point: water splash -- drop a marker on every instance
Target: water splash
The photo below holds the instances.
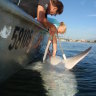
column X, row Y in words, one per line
column 58, row 80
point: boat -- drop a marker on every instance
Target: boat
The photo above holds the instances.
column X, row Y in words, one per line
column 21, row 37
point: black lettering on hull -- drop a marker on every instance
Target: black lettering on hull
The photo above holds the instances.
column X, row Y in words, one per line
column 21, row 38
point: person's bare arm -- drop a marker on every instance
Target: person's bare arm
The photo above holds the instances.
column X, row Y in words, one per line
column 54, row 45
column 41, row 16
column 42, row 19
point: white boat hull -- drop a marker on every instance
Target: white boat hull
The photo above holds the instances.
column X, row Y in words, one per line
column 21, row 37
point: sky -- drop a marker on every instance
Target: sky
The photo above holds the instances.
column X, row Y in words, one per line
column 80, row 19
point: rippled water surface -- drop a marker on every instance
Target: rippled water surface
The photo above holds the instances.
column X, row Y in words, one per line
column 80, row 81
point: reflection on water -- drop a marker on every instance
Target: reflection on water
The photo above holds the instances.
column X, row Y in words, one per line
column 58, row 80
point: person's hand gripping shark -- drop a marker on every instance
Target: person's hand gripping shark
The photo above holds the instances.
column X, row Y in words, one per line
column 61, row 29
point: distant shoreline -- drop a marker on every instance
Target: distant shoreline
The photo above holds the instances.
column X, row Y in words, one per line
column 82, row 41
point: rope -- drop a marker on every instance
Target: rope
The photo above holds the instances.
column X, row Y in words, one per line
column 46, row 50
column 59, row 45
column 19, row 2
column 48, row 44
column 61, row 48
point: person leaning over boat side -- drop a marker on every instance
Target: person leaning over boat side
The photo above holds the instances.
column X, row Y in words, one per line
column 61, row 30
column 54, row 7
column 45, row 7
column 40, row 9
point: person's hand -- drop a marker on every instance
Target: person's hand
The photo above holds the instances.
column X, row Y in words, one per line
column 52, row 30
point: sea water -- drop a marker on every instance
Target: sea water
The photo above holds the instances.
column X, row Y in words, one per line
column 80, row 81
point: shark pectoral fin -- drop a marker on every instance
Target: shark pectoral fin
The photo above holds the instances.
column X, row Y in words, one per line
column 71, row 62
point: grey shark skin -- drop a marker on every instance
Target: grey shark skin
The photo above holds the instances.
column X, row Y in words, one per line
column 69, row 63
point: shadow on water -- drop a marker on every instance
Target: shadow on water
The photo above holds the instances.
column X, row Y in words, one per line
column 25, row 82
